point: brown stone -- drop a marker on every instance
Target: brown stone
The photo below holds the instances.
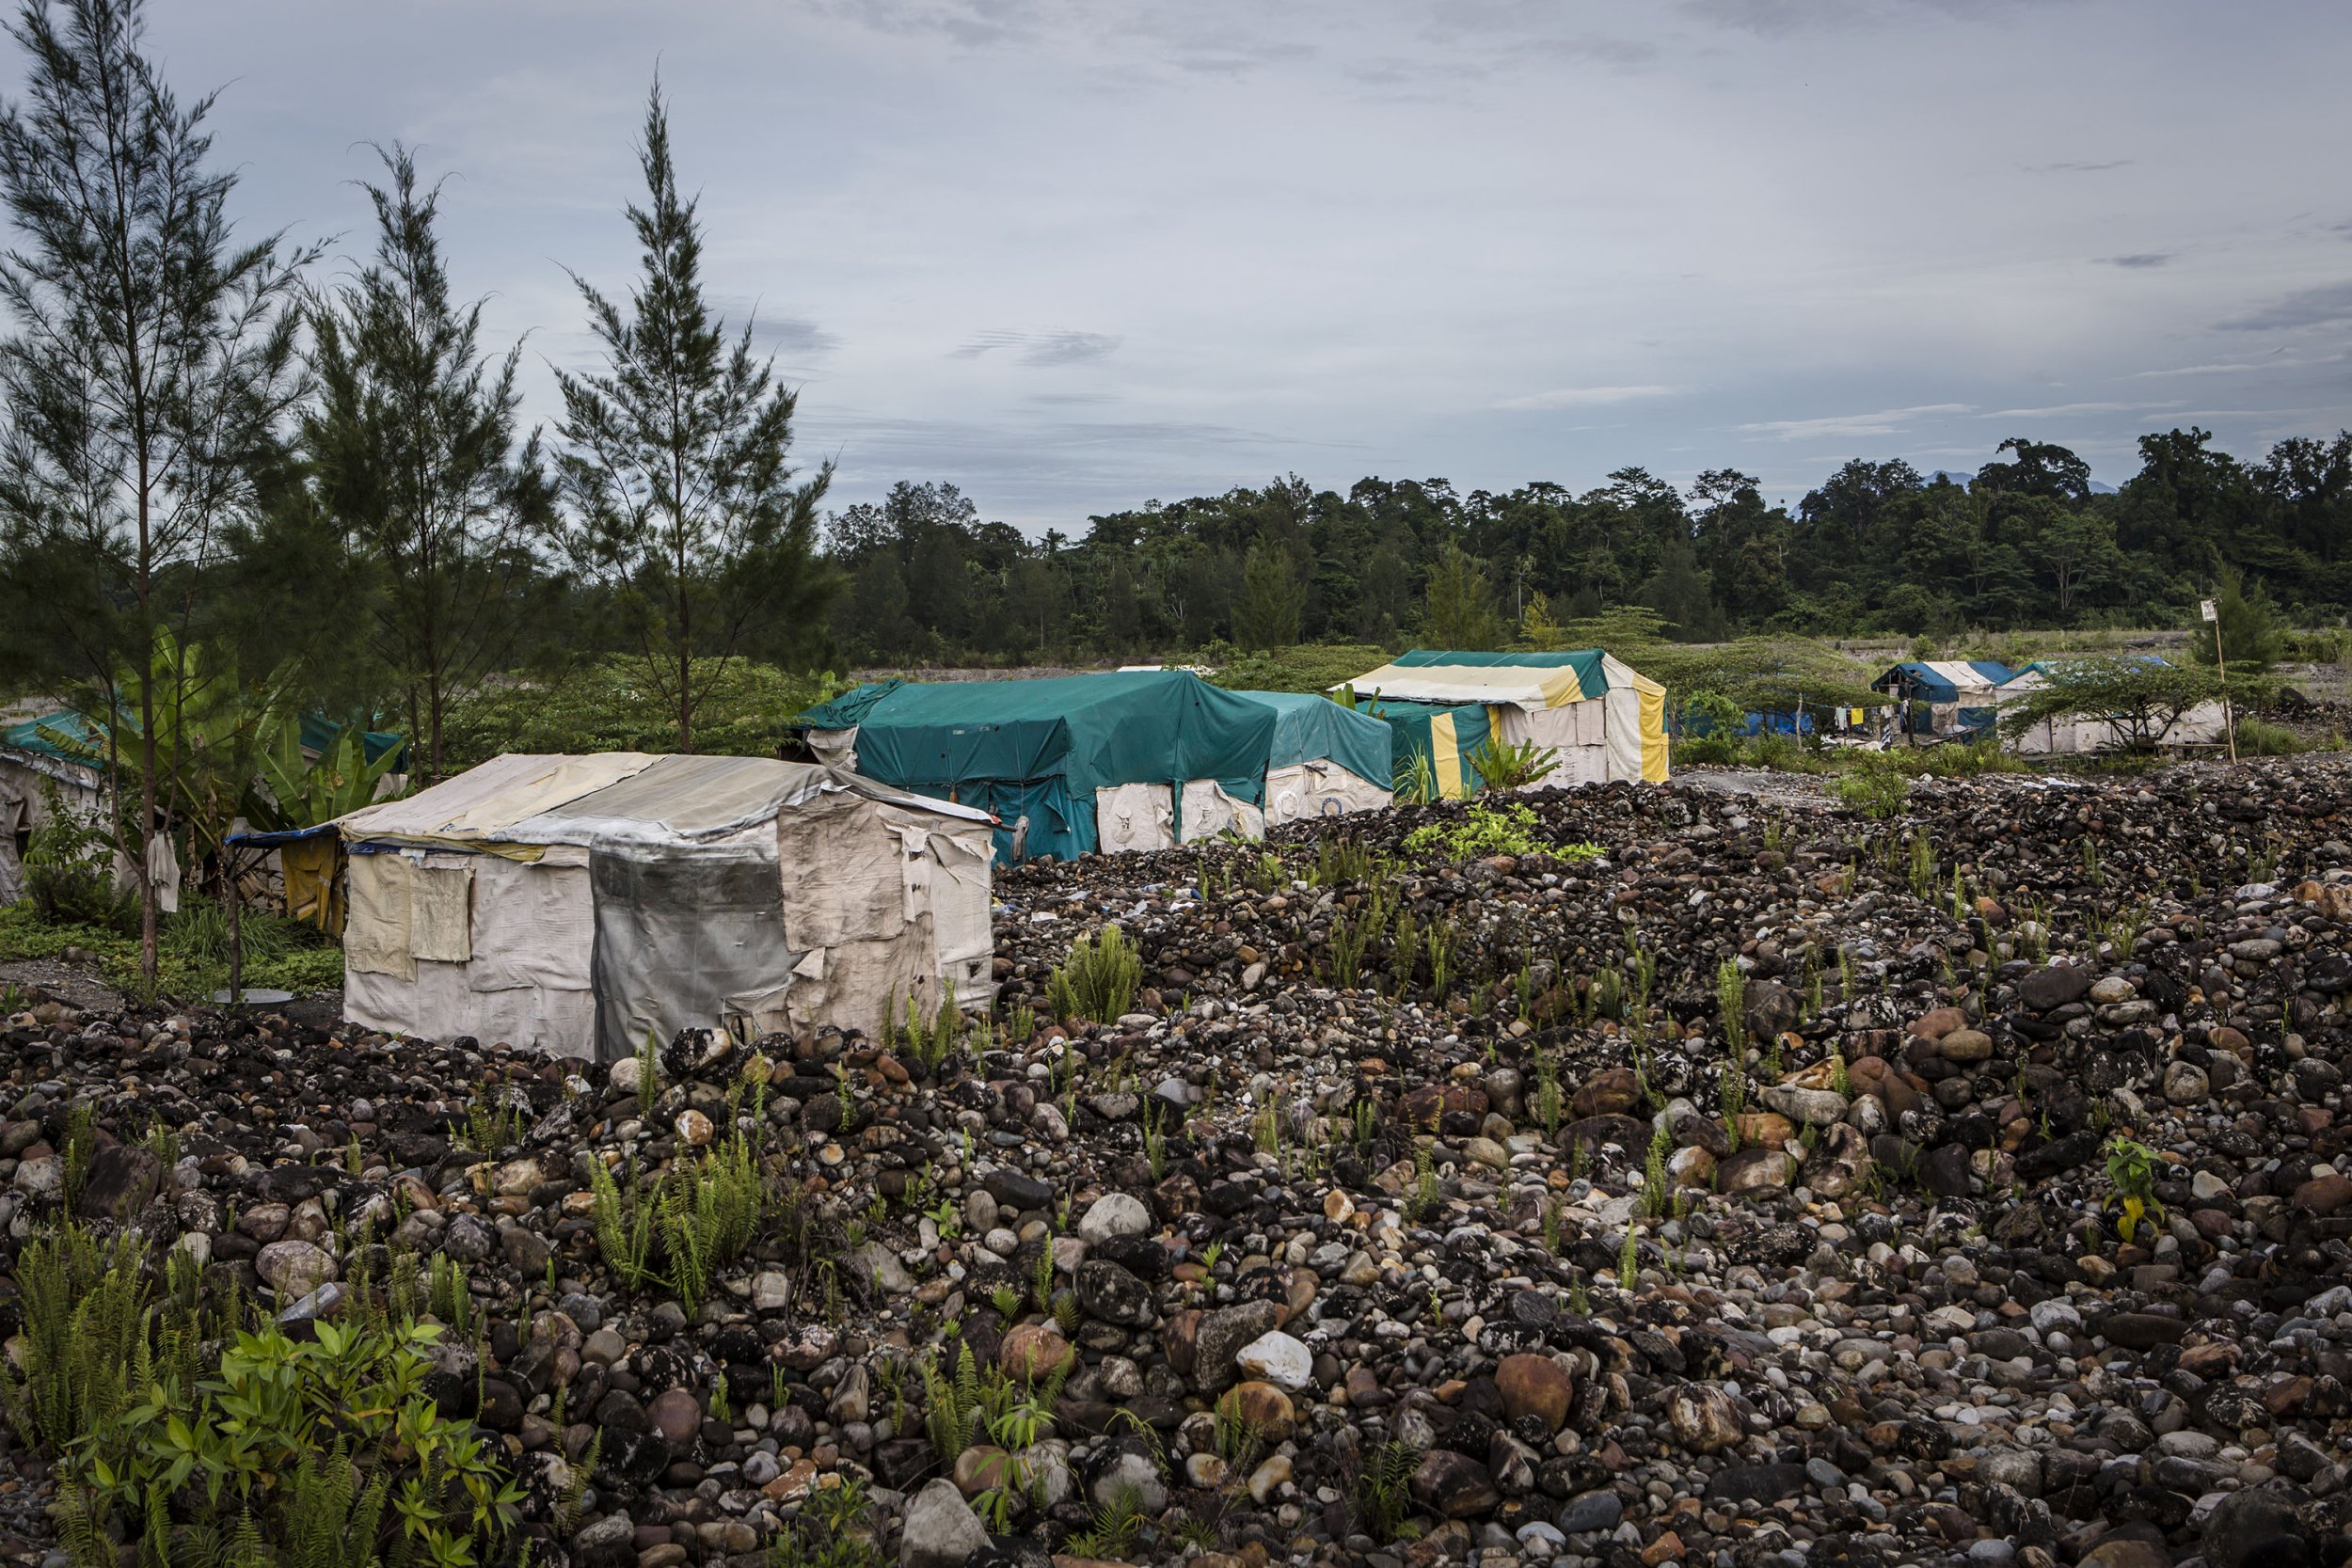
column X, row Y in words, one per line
column 1261, row 1407
column 1966, row 1045
column 2324, row 1194
column 1033, row 1352
column 1934, row 1025
column 1611, row 1091
column 1752, row 1170
column 1535, row 1386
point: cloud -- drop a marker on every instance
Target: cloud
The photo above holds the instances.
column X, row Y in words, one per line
column 796, row 336
column 2237, row 368
column 1582, row 397
column 2320, row 306
column 2139, row 259
column 2057, row 410
column 1770, row 18
column 1886, row 421
column 2077, row 167
column 1042, row 349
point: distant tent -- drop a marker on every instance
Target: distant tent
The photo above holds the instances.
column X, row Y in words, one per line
column 34, row 769
column 53, row 750
column 1957, row 694
column 1128, row 759
column 579, row 903
column 2206, row 724
column 1606, row 719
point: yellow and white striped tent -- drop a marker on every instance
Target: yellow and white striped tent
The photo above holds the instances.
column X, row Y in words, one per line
column 1606, row 719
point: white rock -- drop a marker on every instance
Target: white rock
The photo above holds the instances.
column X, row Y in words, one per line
column 1278, row 1359
column 1114, row 1215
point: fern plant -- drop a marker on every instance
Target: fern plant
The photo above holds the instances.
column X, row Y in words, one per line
column 1384, row 1489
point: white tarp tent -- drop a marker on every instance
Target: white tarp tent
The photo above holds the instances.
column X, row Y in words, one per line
column 1605, row 718
column 2206, row 724
column 577, row 903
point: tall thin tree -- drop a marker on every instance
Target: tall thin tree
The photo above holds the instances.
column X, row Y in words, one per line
column 412, row 447
column 682, row 503
column 151, row 361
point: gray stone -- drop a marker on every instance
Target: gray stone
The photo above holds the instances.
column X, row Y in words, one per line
column 1594, row 1511
column 941, row 1531
column 2242, row 1521
column 1114, row 1215
column 1222, row 1335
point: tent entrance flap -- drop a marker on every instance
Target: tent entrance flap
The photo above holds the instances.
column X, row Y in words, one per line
column 677, row 936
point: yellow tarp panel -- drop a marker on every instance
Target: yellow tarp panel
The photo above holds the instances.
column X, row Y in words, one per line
column 1445, row 760
column 1653, row 733
column 376, row 936
column 313, row 892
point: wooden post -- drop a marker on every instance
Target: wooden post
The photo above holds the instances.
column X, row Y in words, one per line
column 2229, row 716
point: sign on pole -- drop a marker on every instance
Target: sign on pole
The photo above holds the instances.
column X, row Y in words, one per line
column 2205, row 608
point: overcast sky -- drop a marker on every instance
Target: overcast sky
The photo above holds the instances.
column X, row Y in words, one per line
column 1075, row 254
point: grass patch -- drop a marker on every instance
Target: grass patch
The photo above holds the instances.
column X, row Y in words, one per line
column 192, row 950
column 607, row 705
column 1303, row 667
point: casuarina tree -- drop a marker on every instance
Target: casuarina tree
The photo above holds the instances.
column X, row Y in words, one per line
column 682, row 505
column 147, row 370
column 412, row 448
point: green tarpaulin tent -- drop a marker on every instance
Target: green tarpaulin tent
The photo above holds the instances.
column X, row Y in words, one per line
column 1125, row 759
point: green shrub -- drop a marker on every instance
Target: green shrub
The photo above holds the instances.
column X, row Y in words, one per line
column 2256, row 738
column 1875, row 787
column 1706, row 750
column 1488, row 830
column 1384, row 1496
column 85, row 1314
column 699, row 1217
column 189, row 1439
column 68, row 869
column 1301, row 667
column 1505, row 765
column 1099, row 982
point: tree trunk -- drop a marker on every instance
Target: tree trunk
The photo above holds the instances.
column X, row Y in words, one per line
column 146, row 666
column 433, row 691
column 237, row 925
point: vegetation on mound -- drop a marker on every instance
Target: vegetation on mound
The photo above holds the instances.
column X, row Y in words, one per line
column 606, row 705
column 279, row 954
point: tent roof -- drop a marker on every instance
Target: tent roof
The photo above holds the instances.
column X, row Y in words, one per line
column 1122, row 726
column 847, row 711
column 1943, row 679
column 2033, row 676
column 318, row 732
column 1529, row 679
column 612, row 796
column 1308, row 727
column 45, row 755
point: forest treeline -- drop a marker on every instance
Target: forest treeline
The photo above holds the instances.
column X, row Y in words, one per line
column 1875, row 547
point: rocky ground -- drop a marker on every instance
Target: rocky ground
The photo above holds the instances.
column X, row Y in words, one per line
column 1323, row 1258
